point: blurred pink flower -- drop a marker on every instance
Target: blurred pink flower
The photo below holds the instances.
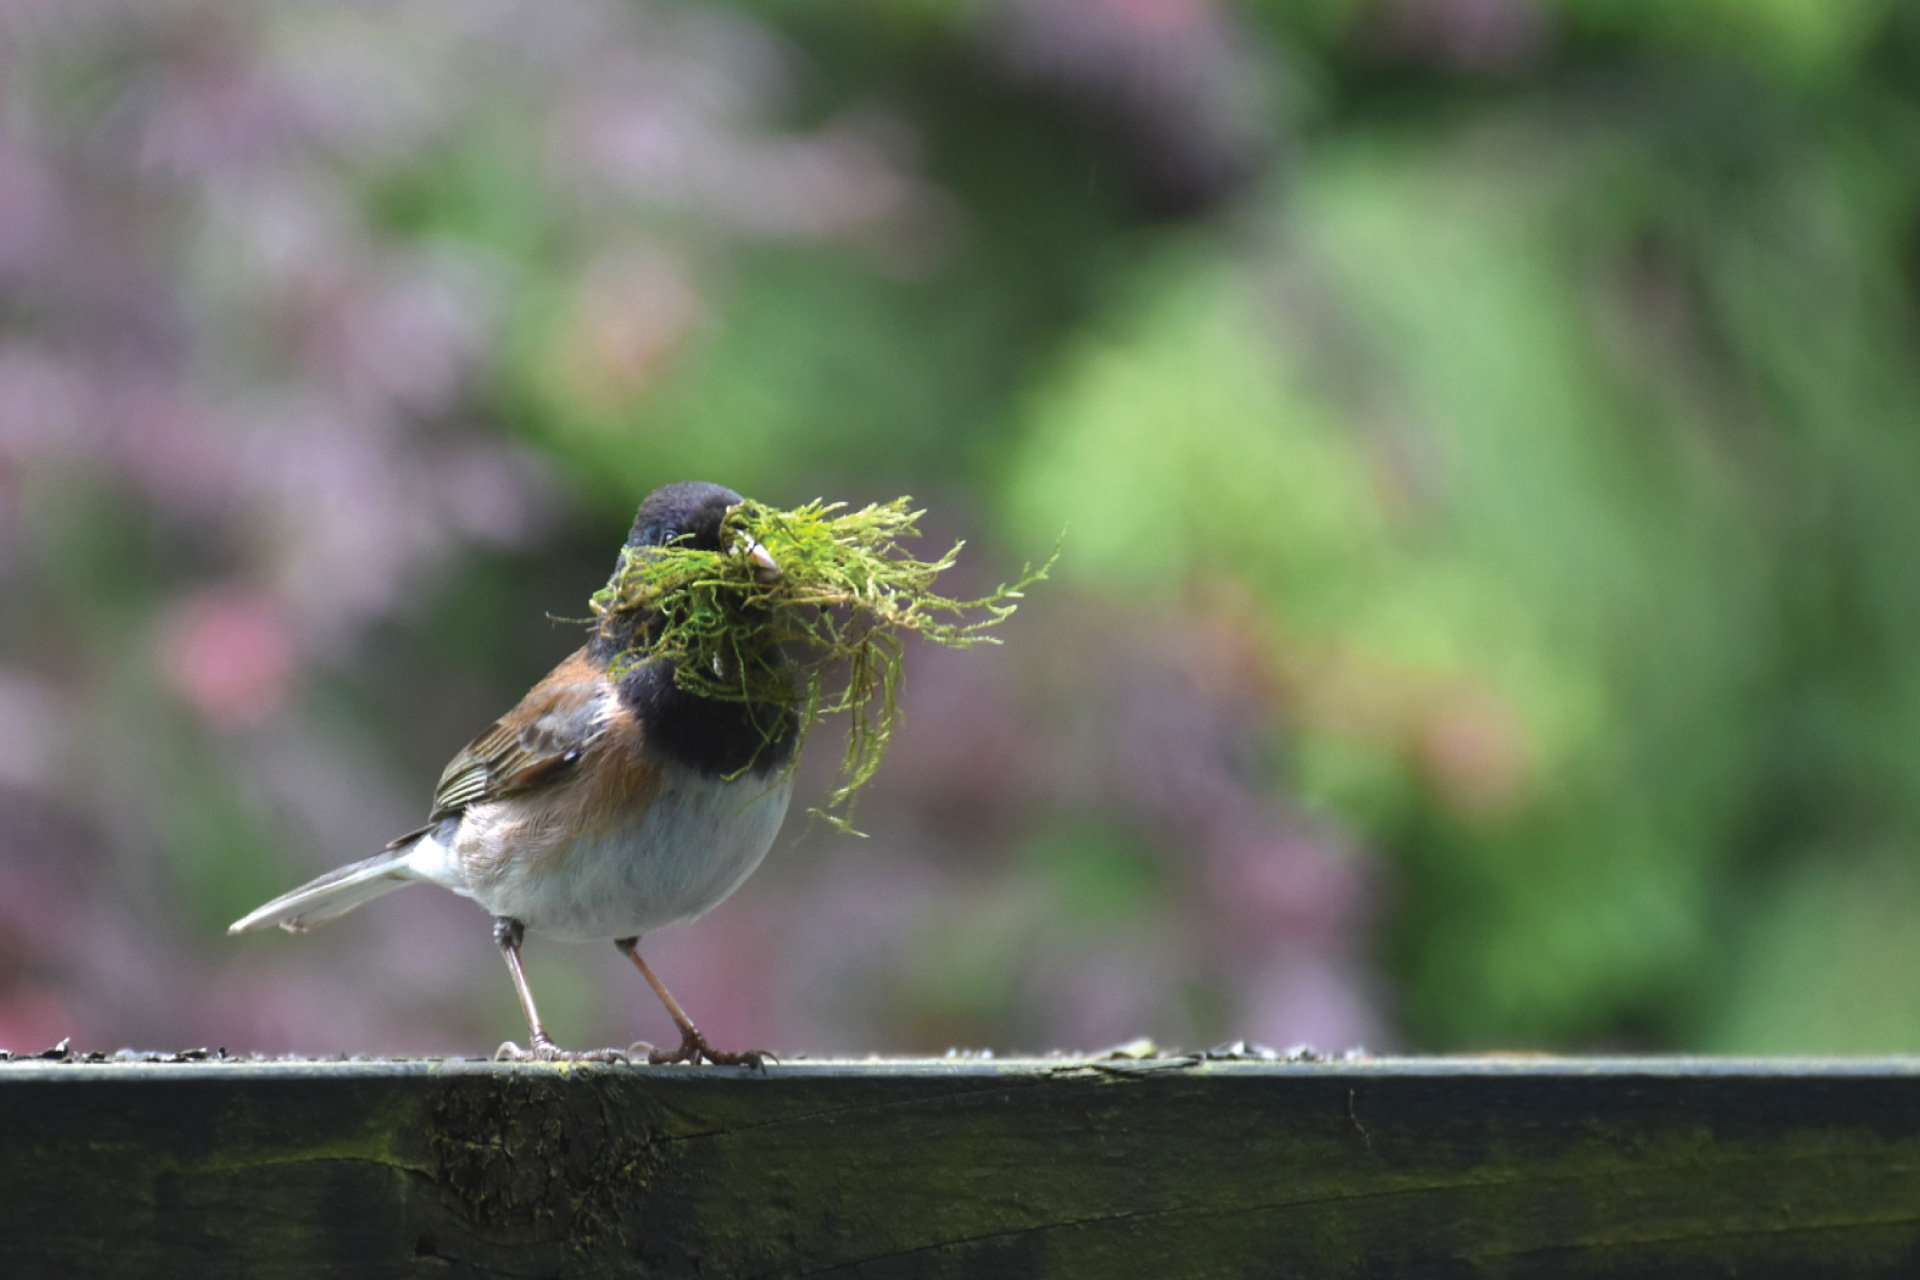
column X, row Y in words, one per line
column 32, row 1019
column 229, row 652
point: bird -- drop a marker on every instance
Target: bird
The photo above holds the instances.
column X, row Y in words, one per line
column 608, row 803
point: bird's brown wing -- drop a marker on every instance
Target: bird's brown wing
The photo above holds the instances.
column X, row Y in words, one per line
column 534, row 744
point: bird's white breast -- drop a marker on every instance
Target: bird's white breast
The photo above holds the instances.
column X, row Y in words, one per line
column 690, row 848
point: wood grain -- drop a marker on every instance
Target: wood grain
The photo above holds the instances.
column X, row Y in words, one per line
column 1156, row 1168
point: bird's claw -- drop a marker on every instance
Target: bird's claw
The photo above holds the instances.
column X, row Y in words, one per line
column 694, row 1047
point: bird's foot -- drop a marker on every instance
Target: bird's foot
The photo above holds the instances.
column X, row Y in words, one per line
column 694, row 1047
column 545, row 1050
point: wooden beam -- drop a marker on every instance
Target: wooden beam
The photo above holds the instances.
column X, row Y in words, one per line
column 1157, row 1168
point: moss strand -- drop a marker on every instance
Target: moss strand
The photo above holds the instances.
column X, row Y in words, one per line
column 847, row 592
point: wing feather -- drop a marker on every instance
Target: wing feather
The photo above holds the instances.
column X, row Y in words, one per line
column 533, row 745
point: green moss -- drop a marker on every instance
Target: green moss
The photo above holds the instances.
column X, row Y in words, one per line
column 847, row 593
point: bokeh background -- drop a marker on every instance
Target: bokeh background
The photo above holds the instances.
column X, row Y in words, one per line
column 1487, row 434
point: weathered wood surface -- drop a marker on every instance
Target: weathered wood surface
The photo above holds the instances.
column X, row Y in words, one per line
column 1158, row 1168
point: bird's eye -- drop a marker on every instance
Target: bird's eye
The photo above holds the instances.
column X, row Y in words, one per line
column 664, row 535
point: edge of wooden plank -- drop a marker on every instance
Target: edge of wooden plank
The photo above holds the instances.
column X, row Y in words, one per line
column 1117, row 1167
column 22, row 1070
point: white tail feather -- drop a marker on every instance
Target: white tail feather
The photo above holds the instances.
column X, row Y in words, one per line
column 341, row 890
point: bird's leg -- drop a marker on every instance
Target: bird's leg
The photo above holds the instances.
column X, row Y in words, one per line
column 508, row 932
column 693, row 1045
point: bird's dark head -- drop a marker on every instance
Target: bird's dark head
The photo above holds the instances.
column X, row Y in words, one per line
column 689, row 515
column 716, row 737
column 683, row 515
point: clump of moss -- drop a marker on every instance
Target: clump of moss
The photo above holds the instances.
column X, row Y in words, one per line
column 847, row 592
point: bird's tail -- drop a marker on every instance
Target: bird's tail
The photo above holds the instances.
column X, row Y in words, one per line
column 415, row 857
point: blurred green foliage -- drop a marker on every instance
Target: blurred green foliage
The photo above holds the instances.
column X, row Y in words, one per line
column 1539, row 376
column 1563, row 419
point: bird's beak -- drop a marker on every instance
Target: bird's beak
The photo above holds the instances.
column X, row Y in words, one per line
column 765, row 568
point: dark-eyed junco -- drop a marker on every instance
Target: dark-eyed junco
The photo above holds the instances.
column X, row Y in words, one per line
column 599, row 807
